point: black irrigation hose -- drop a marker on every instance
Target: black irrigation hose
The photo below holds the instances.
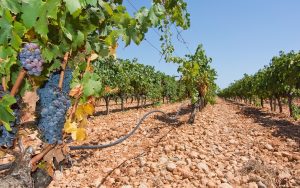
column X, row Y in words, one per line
column 5, row 166
column 126, row 136
column 120, row 139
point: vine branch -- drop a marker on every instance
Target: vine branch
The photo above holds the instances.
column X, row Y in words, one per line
column 62, row 73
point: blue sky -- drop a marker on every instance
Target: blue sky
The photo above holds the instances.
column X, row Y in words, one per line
column 240, row 36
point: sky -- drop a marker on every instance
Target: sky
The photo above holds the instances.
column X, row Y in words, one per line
column 240, row 36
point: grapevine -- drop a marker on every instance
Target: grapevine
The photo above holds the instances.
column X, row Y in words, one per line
column 37, row 35
column 274, row 83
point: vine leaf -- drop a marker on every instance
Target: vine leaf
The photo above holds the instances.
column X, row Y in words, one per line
column 5, row 27
column 6, row 113
column 89, row 109
column 79, row 134
column 69, row 126
column 13, row 6
column 73, row 5
column 76, row 91
column 92, row 85
column 30, row 12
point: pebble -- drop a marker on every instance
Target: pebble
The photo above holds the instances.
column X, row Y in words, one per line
column 252, row 185
column 211, row 184
column 163, row 160
column 126, row 186
column 269, row 147
column 261, row 185
column 171, row 166
column 229, row 176
column 225, row 185
column 185, row 172
column 203, row 166
column 132, row 171
column 283, row 175
column 143, row 185
column 58, row 175
column 193, row 154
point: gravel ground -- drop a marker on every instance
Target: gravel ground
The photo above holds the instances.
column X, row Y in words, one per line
column 230, row 145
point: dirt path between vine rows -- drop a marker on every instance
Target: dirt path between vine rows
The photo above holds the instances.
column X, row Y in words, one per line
column 230, row 145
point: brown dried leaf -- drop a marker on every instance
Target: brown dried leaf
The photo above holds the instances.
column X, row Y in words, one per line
column 76, row 91
column 94, row 56
column 28, row 113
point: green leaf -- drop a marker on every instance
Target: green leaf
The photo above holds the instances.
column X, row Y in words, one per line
column 79, row 40
column 26, row 86
column 55, row 65
column 41, row 27
column 13, row 6
column 92, row 2
column 31, row 10
column 67, row 33
column 7, row 126
column 92, row 85
column 142, row 15
column 6, row 113
column 73, row 5
column 106, row 7
column 19, row 28
column 5, row 27
column 153, row 18
column 52, row 7
column 16, row 41
column 112, row 38
column 50, row 53
column 8, row 100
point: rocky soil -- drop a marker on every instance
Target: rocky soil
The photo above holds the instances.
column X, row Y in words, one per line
column 230, row 145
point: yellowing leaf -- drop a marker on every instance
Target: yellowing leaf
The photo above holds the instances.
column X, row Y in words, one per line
column 70, row 126
column 113, row 50
column 89, row 109
column 79, row 114
column 79, row 134
column 2, row 154
column 83, row 123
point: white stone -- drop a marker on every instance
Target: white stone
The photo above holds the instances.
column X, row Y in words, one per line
column 171, row 166
column 203, row 166
column 225, row 185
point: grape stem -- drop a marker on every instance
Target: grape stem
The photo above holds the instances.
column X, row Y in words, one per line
column 74, row 107
column 62, row 73
column 39, row 156
column 18, row 82
column 88, row 64
column 4, row 83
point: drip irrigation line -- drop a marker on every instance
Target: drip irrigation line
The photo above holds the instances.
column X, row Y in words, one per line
column 6, row 166
column 120, row 140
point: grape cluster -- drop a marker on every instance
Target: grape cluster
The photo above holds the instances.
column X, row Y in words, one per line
column 52, row 116
column 31, row 59
column 54, row 79
column 53, row 106
column 7, row 137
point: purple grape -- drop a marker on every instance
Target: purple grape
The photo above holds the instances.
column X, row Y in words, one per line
column 31, row 59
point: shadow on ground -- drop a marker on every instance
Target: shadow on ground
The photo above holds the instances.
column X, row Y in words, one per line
column 283, row 127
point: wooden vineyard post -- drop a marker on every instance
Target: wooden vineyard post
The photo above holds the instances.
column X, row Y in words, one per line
column 18, row 82
column 62, row 73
